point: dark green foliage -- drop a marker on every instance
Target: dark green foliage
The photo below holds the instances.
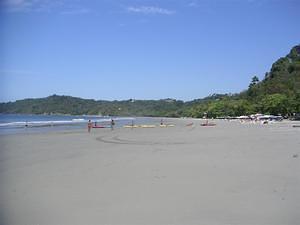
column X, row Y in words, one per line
column 277, row 93
column 275, row 104
column 254, row 81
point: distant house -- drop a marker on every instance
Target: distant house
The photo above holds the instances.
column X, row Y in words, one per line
column 169, row 100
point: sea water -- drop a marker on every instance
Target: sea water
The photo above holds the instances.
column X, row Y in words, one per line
column 25, row 123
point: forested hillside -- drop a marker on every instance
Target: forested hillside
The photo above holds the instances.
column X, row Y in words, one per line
column 277, row 93
column 56, row 104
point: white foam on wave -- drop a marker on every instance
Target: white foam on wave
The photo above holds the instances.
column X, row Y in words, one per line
column 40, row 123
column 57, row 122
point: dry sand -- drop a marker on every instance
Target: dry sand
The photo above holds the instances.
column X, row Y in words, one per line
column 233, row 174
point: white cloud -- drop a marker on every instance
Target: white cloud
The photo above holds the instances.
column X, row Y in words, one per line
column 150, row 10
column 193, row 4
column 65, row 7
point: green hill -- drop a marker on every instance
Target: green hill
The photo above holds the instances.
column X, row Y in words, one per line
column 56, row 104
column 277, row 93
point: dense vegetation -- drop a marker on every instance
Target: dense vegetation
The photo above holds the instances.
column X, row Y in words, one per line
column 56, row 104
column 277, row 93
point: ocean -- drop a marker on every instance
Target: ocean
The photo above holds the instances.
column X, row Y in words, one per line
column 24, row 123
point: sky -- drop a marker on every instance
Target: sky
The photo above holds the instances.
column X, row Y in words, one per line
column 140, row 49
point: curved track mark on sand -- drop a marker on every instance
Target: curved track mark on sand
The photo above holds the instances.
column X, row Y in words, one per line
column 118, row 140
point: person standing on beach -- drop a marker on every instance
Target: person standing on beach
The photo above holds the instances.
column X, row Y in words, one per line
column 89, row 126
column 112, row 123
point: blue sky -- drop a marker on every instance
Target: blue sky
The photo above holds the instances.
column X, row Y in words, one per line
column 122, row 49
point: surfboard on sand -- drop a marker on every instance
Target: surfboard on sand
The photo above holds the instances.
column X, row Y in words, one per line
column 100, row 126
column 167, row 125
column 140, row 126
column 208, row 124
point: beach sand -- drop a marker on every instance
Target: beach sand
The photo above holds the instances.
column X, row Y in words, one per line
column 233, row 174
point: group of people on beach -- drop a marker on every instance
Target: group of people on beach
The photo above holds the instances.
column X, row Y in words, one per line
column 90, row 125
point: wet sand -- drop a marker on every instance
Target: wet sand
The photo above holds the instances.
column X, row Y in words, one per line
column 230, row 174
